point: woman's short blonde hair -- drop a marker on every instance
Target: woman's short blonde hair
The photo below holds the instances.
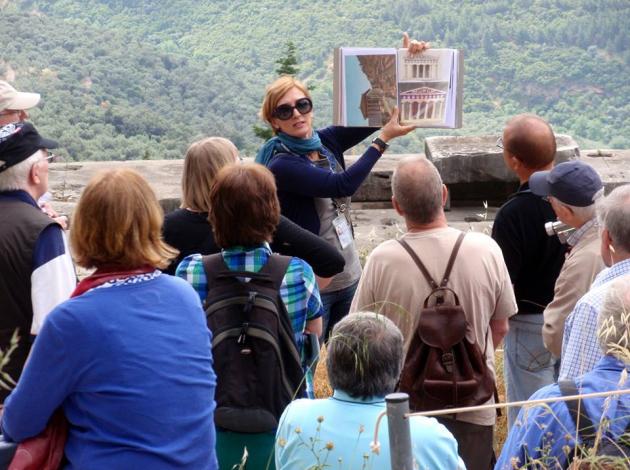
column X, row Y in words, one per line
column 118, row 223
column 203, row 161
column 274, row 93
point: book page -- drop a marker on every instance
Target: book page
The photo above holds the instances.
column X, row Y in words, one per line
column 426, row 88
column 369, row 86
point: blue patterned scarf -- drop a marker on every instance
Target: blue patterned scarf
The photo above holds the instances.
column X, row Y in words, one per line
column 295, row 145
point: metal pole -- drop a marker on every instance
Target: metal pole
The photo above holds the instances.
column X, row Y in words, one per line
column 399, row 431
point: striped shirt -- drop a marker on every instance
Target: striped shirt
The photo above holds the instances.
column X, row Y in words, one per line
column 580, row 346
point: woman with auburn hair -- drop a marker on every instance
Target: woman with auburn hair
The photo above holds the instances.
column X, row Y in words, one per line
column 188, row 229
column 244, row 211
column 314, row 185
column 128, row 357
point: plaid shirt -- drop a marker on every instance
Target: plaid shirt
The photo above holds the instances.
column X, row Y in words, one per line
column 580, row 346
column 298, row 291
column 575, row 237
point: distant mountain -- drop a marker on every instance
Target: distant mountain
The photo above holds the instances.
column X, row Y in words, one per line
column 132, row 79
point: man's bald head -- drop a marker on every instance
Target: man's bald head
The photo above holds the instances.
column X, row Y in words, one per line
column 417, row 188
column 531, row 140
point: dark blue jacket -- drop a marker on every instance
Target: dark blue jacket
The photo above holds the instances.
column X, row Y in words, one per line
column 299, row 180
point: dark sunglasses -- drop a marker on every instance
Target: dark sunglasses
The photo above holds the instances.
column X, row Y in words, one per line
column 285, row 111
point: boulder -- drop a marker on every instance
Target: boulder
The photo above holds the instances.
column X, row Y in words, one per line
column 473, row 167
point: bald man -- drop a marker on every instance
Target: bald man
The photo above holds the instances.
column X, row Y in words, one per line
column 533, row 259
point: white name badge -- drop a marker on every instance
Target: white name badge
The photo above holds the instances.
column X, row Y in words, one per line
column 344, row 233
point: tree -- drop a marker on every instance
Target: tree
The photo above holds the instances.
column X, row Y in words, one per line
column 287, row 64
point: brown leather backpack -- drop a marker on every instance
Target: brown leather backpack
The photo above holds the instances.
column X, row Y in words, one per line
column 443, row 369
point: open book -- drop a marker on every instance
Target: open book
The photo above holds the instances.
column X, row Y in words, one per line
column 369, row 82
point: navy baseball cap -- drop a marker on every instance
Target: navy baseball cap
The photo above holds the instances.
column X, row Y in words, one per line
column 574, row 183
column 18, row 141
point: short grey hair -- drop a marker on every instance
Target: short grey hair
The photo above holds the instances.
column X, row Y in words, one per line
column 583, row 213
column 365, row 355
column 613, row 322
column 16, row 176
column 613, row 212
column 417, row 187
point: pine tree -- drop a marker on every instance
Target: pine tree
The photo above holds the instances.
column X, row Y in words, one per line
column 287, row 64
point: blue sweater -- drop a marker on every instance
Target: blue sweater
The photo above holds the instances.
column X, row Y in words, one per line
column 299, row 180
column 132, row 368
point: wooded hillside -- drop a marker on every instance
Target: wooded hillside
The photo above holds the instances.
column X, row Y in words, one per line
column 130, row 79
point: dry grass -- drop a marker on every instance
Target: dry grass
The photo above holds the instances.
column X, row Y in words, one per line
column 323, row 390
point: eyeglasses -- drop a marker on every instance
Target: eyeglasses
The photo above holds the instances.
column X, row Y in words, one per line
column 285, row 111
column 51, row 157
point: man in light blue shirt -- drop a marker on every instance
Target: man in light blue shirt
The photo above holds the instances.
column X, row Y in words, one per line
column 364, row 363
column 580, row 349
column 545, row 436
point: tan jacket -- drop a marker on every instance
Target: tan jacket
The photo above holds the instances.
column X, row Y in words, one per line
column 582, row 264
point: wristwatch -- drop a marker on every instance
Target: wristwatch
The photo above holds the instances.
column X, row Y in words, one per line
column 381, row 144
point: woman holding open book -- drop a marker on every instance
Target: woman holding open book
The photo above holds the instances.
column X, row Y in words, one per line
column 314, row 185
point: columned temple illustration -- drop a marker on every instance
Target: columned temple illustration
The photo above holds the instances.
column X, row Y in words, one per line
column 420, row 68
column 422, row 103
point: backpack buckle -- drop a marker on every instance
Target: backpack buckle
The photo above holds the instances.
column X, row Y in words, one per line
column 448, row 359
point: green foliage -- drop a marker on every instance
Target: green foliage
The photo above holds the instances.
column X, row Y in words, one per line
column 120, row 78
column 288, row 63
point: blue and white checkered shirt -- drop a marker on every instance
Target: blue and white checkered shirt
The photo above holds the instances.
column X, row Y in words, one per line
column 580, row 346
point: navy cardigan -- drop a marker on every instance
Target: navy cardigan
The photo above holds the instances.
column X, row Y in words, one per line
column 299, row 180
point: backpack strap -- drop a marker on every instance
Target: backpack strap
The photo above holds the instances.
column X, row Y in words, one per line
column 451, row 260
column 569, row 388
column 423, row 269
column 275, row 268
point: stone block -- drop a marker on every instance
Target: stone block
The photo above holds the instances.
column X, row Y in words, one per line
column 473, row 167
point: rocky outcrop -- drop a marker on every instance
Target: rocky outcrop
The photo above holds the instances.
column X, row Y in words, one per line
column 473, row 167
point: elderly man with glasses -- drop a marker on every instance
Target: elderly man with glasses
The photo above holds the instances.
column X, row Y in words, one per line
column 36, row 270
column 533, row 259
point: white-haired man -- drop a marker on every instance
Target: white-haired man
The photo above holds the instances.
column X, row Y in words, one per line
column 36, row 270
column 544, row 436
column 572, row 189
column 392, row 284
column 14, row 105
column 580, row 349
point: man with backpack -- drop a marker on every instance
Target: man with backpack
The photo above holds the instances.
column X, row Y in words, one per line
column 444, row 335
column 594, row 430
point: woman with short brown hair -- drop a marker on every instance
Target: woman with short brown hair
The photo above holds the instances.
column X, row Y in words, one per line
column 244, row 211
column 128, row 358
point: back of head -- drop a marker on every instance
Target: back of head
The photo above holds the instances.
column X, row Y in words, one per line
column 531, row 140
column 613, row 212
column 613, row 323
column 275, row 91
column 203, row 161
column 417, row 187
column 365, row 354
column 118, row 223
column 244, row 207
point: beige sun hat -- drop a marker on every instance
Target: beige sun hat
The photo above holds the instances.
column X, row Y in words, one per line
column 10, row 98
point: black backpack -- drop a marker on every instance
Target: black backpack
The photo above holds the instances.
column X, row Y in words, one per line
column 442, row 368
column 256, row 359
column 611, row 451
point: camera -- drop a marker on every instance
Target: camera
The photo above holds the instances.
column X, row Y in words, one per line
column 560, row 229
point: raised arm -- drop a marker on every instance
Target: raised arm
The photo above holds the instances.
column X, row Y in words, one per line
column 292, row 240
